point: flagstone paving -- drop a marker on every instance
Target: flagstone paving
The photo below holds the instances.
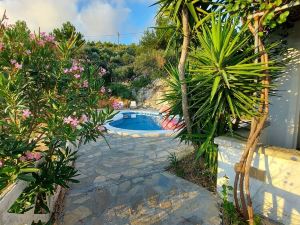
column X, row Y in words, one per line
column 126, row 183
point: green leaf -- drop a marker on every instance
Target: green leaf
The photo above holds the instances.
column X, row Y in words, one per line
column 215, row 87
column 29, row 170
column 278, row 2
column 192, row 11
column 26, row 177
column 283, row 16
column 230, row 104
column 225, row 77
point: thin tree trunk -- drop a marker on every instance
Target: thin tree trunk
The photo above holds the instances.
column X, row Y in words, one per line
column 243, row 168
column 181, row 69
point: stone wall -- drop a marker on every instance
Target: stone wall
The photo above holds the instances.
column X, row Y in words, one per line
column 274, row 182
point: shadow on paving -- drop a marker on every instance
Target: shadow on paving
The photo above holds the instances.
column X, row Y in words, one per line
column 126, row 184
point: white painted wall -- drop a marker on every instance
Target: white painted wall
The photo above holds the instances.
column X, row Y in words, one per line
column 285, row 107
column 277, row 198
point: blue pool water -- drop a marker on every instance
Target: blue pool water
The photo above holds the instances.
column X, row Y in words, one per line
column 141, row 122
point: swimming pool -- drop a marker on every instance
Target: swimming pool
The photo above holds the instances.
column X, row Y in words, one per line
column 138, row 123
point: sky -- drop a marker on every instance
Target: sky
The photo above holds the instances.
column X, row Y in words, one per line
column 95, row 19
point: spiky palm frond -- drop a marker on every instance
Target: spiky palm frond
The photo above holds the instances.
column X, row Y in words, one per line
column 223, row 82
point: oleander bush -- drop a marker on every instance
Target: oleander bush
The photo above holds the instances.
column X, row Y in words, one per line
column 48, row 97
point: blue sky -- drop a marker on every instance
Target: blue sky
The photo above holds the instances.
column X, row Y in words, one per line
column 140, row 18
column 96, row 19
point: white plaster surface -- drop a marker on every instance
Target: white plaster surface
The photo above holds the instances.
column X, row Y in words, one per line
column 279, row 197
column 285, row 106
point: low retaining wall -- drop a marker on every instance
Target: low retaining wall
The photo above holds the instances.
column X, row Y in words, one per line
column 9, row 196
column 28, row 217
column 274, row 182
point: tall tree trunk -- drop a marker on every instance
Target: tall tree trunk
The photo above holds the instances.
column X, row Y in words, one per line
column 181, row 69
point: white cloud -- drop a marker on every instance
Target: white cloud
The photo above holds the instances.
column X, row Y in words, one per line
column 95, row 19
column 102, row 18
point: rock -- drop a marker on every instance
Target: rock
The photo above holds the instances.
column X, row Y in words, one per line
column 99, row 179
column 124, row 186
column 137, row 180
column 79, row 165
column 130, row 172
column 103, row 199
column 114, row 176
column 77, row 214
column 81, row 200
column 165, row 204
column 151, row 95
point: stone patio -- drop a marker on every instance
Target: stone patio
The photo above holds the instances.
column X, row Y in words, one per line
column 127, row 184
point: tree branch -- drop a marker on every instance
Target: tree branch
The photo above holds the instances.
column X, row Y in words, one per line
column 284, row 7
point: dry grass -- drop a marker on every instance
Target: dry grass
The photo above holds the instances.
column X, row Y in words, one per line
column 194, row 171
column 59, row 207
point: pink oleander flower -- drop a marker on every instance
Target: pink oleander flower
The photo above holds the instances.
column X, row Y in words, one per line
column 29, row 155
column 13, row 61
column 1, row 163
column 102, row 90
column 81, row 69
column 101, row 128
column 43, row 34
column 84, row 118
column 22, row 158
column 117, row 105
column 27, row 52
column 37, row 156
column 66, row 70
column 68, row 120
column 74, row 68
column 77, row 76
column 50, row 38
column 41, row 43
column 32, row 36
column 18, row 66
column 74, row 122
column 26, row 113
column 85, row 84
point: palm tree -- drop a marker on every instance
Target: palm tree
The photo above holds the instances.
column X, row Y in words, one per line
column 184, row 14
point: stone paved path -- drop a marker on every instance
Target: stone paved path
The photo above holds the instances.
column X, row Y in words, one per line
column 127, row 184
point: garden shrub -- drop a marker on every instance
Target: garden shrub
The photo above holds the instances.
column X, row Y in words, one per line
column 120, row 90
column 140, row 82
column 48, row 97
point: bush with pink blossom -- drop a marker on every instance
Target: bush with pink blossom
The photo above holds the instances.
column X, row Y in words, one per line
column 48, row 97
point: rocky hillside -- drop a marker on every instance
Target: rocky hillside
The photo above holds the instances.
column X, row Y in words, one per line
column 151, row 95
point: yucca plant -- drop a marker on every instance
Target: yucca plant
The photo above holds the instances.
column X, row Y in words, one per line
column 186, row 15
column 224, row 80
column 222, row 83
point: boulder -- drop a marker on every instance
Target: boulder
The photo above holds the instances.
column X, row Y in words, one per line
column 151, row 95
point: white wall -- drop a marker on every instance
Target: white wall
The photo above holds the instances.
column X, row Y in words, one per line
column 278, row 197
column 284, row 108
